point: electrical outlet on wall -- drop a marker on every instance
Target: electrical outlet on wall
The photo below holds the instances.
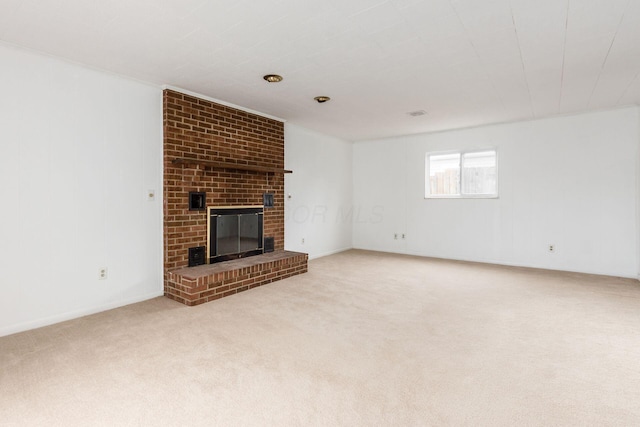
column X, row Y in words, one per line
column 552, row 247
column 102, row 273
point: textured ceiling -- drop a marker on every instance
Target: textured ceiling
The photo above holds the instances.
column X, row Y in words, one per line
column 465, row 62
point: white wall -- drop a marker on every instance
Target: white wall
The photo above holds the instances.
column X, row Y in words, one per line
column 79, row 150
column 638, row 195
column 319, row 209
column 568, row 181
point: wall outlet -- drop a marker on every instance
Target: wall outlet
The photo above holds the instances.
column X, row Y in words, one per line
column 102, row 273
column 403, row 236
column 395, row 236
column 552, row 248
column 302, row 241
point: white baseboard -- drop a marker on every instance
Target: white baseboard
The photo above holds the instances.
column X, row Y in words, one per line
column 508, row 264
column 46, row 321
column 528, row 265
column 337, row 251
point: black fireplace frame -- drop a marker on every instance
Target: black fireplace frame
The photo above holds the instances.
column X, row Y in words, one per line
column 217, row 213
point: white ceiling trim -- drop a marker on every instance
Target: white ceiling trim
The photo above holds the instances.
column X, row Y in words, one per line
column 218, row 101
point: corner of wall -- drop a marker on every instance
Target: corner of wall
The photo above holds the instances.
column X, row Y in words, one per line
column 319, row 192
column 638, row 189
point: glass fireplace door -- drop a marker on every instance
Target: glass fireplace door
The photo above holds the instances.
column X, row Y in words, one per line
column 227, row 232
column 249, row 232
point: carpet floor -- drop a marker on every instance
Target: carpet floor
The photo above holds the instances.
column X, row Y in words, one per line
column 363, row 339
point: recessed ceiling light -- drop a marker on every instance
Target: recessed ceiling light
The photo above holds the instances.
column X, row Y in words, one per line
column 322, row 99
column 417, row 113
column 273, row 78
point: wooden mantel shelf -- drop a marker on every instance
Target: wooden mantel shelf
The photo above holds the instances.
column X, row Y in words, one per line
column 227, row 165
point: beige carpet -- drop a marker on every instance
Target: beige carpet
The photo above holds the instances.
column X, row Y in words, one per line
column 363, row 339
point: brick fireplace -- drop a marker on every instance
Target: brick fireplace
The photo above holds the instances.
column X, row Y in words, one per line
column 232, row 156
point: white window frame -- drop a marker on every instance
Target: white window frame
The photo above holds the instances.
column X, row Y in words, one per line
column 427, row 187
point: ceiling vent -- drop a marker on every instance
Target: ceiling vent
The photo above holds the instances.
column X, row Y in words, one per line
column 417, row 113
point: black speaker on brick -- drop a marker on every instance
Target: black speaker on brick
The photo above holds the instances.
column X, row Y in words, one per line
column 267, row 200
column 197, row 201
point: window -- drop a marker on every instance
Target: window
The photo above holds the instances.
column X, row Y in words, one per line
column 462, row 174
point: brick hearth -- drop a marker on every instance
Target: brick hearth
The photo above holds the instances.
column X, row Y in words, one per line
column 204, row 283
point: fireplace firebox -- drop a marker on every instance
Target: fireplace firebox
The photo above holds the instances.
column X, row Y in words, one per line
column 234, row 232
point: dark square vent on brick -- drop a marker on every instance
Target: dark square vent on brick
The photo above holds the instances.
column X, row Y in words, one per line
column 196, row 256
column 268, row 244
